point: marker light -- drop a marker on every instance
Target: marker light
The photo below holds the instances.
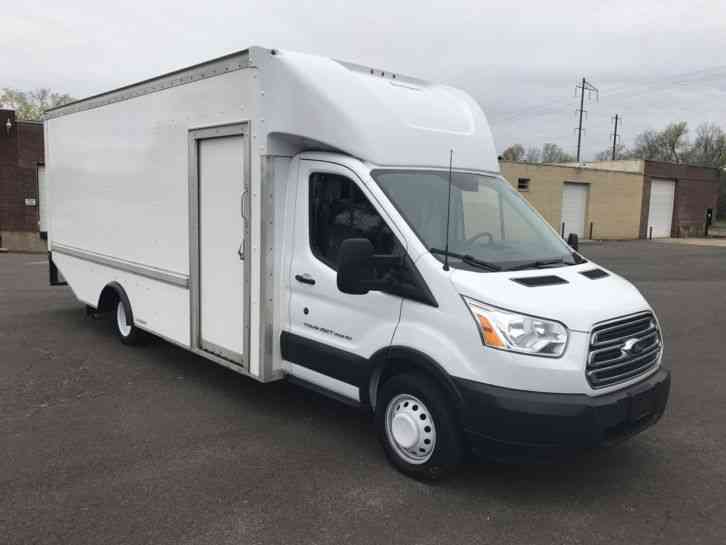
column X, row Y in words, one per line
column 516, row 332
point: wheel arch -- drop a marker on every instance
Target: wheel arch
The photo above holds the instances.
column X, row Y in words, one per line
column 111, row 292
column 394, row 360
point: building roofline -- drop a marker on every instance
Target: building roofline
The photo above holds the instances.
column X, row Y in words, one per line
column 572, row 167
column 592, row 165
column 659, row 161
column 690, row 165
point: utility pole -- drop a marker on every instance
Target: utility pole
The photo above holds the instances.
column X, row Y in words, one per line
column 582, row 87
column 615, row 135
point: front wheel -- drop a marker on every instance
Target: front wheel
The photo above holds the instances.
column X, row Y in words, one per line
column 417, row 427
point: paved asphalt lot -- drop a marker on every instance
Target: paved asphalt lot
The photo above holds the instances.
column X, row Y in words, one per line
column 106, row 444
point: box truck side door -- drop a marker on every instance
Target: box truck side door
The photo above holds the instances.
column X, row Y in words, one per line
column 220, row 270
column 331, row 334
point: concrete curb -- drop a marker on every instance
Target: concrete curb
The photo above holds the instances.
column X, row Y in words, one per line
column 712, row 242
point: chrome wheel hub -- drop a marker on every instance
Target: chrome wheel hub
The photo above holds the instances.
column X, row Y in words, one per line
column 410, row 429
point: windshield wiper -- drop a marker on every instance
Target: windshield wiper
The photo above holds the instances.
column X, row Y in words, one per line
column 468, row 259
column 539, row 264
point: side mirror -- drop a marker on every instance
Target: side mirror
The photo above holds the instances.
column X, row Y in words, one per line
column 574, row 241
column 355, row 266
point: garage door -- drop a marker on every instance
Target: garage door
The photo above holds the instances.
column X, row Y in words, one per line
column 574, row 207
column 660, row 212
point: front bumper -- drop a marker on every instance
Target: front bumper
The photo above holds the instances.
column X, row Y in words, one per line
column 502, row 423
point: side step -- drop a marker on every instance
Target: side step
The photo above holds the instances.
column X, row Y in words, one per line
column 323, row 391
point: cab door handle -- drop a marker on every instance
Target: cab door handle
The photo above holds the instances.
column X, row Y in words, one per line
column 305, row 279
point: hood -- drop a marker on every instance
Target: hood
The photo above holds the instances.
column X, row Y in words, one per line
column 579, row 303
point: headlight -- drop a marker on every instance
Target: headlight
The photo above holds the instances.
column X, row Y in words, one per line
column 516, row 332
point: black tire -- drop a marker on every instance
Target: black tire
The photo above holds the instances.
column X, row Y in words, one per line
column 129, row 335
column 448, row 449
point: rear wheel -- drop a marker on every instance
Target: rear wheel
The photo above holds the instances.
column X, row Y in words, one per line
column 417, row 427
column 123, row 322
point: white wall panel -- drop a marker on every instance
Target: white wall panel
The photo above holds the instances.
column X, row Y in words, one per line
column 120, row 172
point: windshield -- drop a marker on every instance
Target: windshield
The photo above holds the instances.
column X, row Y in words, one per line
column 490, row 221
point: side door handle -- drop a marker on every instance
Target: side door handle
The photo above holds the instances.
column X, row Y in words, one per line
column 243, row 203
column 305, row 279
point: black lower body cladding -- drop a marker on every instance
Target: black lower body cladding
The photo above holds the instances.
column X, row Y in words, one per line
column 501, row 423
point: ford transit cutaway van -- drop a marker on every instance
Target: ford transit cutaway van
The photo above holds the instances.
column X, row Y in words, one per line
column 347, row 228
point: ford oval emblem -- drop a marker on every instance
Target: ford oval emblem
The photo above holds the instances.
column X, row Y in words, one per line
column 632, row 347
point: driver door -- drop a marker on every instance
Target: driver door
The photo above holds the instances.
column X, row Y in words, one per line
column 332, row 335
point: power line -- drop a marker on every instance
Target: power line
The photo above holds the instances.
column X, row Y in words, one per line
column 654, row 85
column 582, row 87
column 632, row 90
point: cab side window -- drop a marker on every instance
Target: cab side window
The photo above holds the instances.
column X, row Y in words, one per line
column 339, row 210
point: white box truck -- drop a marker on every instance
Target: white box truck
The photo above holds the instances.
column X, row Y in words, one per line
column 292, row 216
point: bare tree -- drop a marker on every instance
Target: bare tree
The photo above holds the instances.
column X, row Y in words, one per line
column 674, row 139
column 514, row 152
column 646, row 146
column 709, row 147
column 621, row 152
column 552, row 153
column 669, row 144
column 533, row 155
column 30, row 105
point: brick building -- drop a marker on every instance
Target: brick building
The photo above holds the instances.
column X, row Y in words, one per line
column 675, row 196
column 21, row 152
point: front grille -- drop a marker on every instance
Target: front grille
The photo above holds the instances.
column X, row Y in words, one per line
column 622, row 349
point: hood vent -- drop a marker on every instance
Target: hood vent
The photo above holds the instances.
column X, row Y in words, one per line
column 536, row 281
column 594, row 274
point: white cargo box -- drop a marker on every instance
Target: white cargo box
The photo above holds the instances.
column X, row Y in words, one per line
column 152, row 184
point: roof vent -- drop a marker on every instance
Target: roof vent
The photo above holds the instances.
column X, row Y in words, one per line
column 536, row 281
column 594, row 274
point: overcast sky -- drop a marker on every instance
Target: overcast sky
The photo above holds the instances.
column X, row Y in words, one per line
column 653, row 61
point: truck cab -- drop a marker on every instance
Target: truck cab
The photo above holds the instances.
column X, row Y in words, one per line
column 501, row 332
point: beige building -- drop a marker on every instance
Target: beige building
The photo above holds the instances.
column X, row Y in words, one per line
column 592, row 202
column 618, row 199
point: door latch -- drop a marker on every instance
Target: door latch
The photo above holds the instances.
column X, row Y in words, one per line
column 305, row 279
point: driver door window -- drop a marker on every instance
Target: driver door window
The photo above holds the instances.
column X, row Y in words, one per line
column 339, row 210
